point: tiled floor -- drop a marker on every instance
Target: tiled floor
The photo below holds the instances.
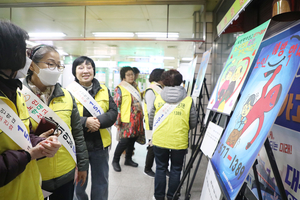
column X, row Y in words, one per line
column 132, row 184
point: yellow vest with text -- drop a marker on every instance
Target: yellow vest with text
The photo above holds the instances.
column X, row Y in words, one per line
column 172, row 133
column 126, row 104
column 145, row 108
column 62, row 162
column 102, row 98
column 27, row 184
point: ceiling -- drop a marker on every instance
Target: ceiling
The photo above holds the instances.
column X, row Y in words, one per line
column 78, row 19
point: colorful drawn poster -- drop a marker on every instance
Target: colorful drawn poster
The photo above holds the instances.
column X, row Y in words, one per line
column 256, row 111
column 201, row 73
column 236, row 69
column 284, row 140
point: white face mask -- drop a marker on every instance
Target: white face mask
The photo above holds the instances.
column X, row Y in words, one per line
column 48, row 77
column 23, row 72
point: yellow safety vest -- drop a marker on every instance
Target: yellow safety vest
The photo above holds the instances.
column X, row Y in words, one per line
column 172, row 133
column 146, row 110
column 62, row 162
column 102, row 98
column 27, row 184
column 126, row 104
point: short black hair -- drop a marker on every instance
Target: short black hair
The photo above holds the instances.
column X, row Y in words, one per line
column 135, row 70
column 156, row 75
column 124, row 70
column 79, row 61
column 12, row 46
column 171, row 78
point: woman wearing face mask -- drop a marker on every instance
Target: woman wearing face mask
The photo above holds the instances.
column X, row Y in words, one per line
column 57, row 172
column 130, row 118
column 19, row 173
column 96, row 118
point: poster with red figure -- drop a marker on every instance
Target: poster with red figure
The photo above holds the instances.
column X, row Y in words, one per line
column 234, row 73
column 260, row 102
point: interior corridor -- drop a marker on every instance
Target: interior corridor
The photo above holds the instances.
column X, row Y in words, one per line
column 132, row 184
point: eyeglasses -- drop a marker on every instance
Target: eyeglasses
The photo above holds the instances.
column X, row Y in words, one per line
column 52, row 66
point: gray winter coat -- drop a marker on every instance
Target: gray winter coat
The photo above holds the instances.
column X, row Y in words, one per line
column 174, row 95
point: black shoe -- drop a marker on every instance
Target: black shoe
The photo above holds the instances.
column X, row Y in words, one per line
column 129, row 162
column 150, row 173
column 116, row 166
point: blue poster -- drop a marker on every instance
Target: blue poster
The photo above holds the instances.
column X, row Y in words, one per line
column 201, row 74
column 261, row 100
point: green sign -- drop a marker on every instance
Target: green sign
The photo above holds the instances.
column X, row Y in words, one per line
column 231, row 14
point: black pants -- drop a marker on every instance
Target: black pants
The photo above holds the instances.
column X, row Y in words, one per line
column 149, row 159
column 124, row 143
column 64, row 192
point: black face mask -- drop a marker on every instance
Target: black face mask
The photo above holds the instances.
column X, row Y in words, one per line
column 13, row 84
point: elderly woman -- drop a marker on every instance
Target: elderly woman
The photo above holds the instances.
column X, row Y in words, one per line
column 151, row 92
column 130, row 118
column 57, row 172
column 19, row 173
column 175, row 115
column 96, row 126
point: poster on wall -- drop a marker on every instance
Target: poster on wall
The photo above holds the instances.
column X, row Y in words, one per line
column 236, row 69
column 256, row 111
column 190, row 76
column 284, row 140
column 201, row 73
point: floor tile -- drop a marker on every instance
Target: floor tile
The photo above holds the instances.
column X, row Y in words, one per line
column 132, row 184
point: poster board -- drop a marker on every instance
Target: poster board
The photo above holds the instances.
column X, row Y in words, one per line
column 211, row 139
column 234, row 73
column 256, row 111
column 211, row 190
column 201, row 73
column 284, row 140
column 190, row 77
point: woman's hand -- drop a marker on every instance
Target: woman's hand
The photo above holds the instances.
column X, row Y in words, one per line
column 47, row 133
column 47, row 147
column 93, row 124
column 80, row 176
column 50, row 146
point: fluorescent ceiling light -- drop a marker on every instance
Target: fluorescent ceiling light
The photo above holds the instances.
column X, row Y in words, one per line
column 113, row 34
column 161, row 57
column 99, row 56
column 168, row 58
column 137, row 57
column 187, row 59
column 46, row 35
column 157, row 34
column 32, row 43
